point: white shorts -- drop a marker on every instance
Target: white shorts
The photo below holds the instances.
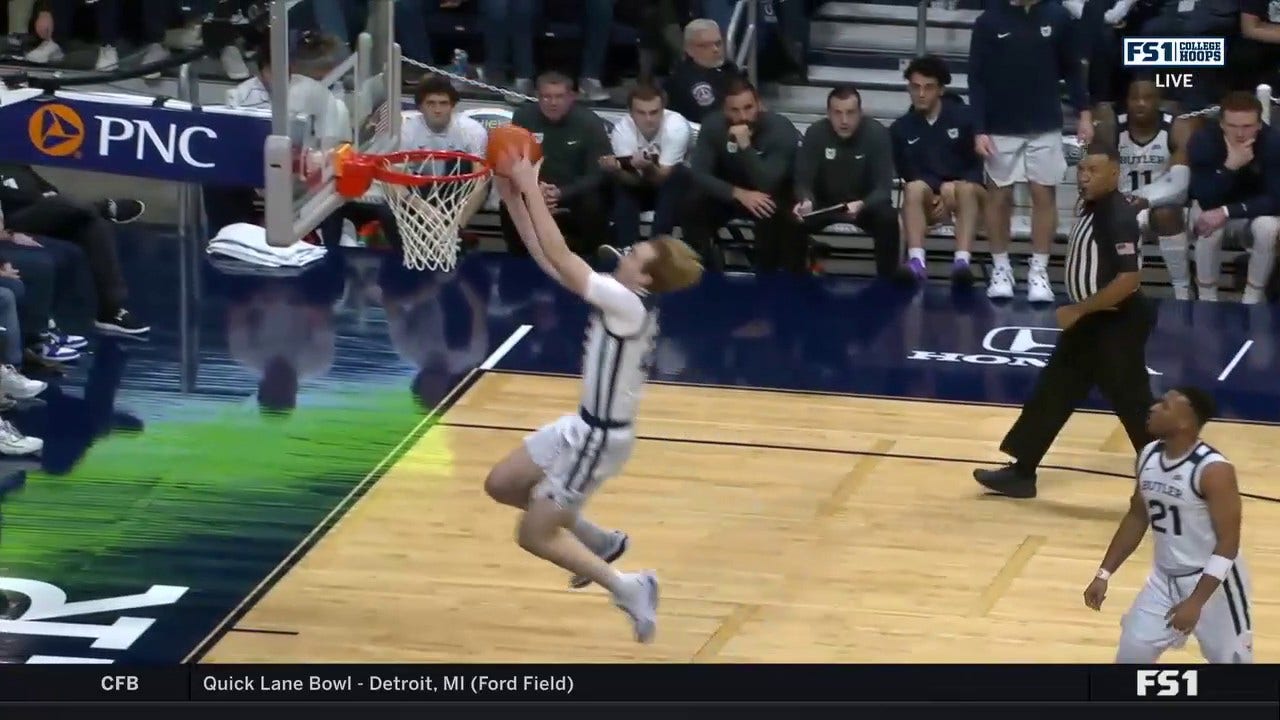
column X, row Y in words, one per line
column 576, row 458
column 1036, row 159
column 1225, row 629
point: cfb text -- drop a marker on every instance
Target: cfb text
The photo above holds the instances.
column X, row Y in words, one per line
column 120, row 683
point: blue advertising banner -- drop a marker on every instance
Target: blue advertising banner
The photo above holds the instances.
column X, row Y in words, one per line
column 181, row 145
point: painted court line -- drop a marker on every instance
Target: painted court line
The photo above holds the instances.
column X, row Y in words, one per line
column 261, row 589
column 1235, row 360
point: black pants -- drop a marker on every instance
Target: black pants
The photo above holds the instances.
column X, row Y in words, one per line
column 582, row 220
column 878, row 221
column 779, row 244
column 631, row 200
column 1106, row 350
column 83, row 225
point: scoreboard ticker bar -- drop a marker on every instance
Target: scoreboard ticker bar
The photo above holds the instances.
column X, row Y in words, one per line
column 641, row 683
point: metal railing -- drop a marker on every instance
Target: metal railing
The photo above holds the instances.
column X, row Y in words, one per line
column 744, row 53
column 922, row 26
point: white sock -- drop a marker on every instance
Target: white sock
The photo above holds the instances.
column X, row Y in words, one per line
column 1040, row 261
column 963, row 255
column 1001, row 260
column 1174, row 250
column 1209, row 260
column 597, row 539
column 916, row 254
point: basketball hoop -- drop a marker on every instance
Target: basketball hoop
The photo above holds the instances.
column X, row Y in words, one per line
column 432, row 194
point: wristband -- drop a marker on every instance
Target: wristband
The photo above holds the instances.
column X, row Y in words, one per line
column 1104, row 574
column 1218, row 566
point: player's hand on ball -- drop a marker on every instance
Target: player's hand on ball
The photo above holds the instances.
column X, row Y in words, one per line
column 524, row 174
column 1095, row 594
column 1184, row 616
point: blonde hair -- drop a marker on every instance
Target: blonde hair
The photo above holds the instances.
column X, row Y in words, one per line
column 674, row 267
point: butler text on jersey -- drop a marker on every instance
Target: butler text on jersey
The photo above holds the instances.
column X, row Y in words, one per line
column 1165, row 52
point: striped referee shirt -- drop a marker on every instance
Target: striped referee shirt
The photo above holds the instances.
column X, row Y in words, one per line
column 1102, row 245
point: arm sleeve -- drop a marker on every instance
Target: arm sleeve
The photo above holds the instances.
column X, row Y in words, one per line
column 675, row 146
column 977, row 93
column 703, row 166
column 592, row 175
column 880, row 163
column 623, row 310
column 1266, row 202
column 1210, row 181
column 1070, row 63
column 773, row 165
column 1122, row 232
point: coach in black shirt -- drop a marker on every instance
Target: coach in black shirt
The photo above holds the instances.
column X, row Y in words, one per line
column 1104, row 332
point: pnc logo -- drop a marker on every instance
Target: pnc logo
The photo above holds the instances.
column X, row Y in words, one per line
column 56, row 130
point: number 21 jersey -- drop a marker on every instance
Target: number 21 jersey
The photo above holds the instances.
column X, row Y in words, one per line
column 1180, row 524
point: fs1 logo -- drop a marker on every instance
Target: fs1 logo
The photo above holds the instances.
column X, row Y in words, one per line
column 1168, row 683
column 58, row 130
column 1175, row 52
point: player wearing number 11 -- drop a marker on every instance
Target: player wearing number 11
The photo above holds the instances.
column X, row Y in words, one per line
column 1187, row 493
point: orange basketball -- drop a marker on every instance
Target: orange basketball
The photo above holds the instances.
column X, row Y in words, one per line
column 507, row 143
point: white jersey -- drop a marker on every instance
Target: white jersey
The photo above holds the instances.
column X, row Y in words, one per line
column 618, row 353
column 1143, row 163
column 669, row 146
column 1181, row 527
column 463, row 134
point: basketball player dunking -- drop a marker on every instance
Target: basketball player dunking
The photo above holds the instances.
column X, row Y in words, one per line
column 556, row 469
column 1187, row 493
column 1154, row 175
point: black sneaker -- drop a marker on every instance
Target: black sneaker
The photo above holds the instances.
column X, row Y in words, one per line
column 1008, row 481
column 122, row 322
column 122, row 211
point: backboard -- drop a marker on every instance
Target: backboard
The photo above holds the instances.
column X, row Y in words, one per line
column 362, row 107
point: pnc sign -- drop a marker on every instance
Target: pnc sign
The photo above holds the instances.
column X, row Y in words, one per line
column 56, row 130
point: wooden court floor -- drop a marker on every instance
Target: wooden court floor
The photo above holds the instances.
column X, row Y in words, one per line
column 785, row 528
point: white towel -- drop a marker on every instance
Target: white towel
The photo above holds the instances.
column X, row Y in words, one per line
column 248, row 243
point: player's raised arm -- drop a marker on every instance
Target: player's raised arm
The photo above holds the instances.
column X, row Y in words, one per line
column 573, row 272
column 1133, row 527
column 519, row 213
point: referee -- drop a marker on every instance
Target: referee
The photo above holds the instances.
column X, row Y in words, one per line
column 1104, row 331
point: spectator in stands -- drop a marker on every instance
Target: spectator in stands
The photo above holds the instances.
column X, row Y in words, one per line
column 698, row 83
column 1154, row 175
column 649, row 144
column 1235, row 178
column 33, row 205
column 50, row 269
column 573, row 141
column 509, row 33
column 1257, row 52
column 933, row 150
column 13, row 384
column 1017, row 55
column 439, row 127
column 845, row 170
column 744, row 162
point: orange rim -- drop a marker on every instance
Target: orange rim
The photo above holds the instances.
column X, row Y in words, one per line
column 355, row 172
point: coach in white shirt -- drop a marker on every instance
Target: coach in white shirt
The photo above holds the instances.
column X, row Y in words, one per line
column 650, row 144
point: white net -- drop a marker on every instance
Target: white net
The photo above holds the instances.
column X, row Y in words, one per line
column 431, row 216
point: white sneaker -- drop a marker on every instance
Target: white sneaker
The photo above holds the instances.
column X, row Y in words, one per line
column 592, row 89
column 642, row 604
column 1207, row 294
column 233, row 63
column 616, row 549
column 1251, row 296
column 155, row 53
column 1181, row 292
column 1038, row 288
column 188, row 37
column 108, row 59
column 1000, row 285
column 46, row 52
column 13, row 442
column 19, row 386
